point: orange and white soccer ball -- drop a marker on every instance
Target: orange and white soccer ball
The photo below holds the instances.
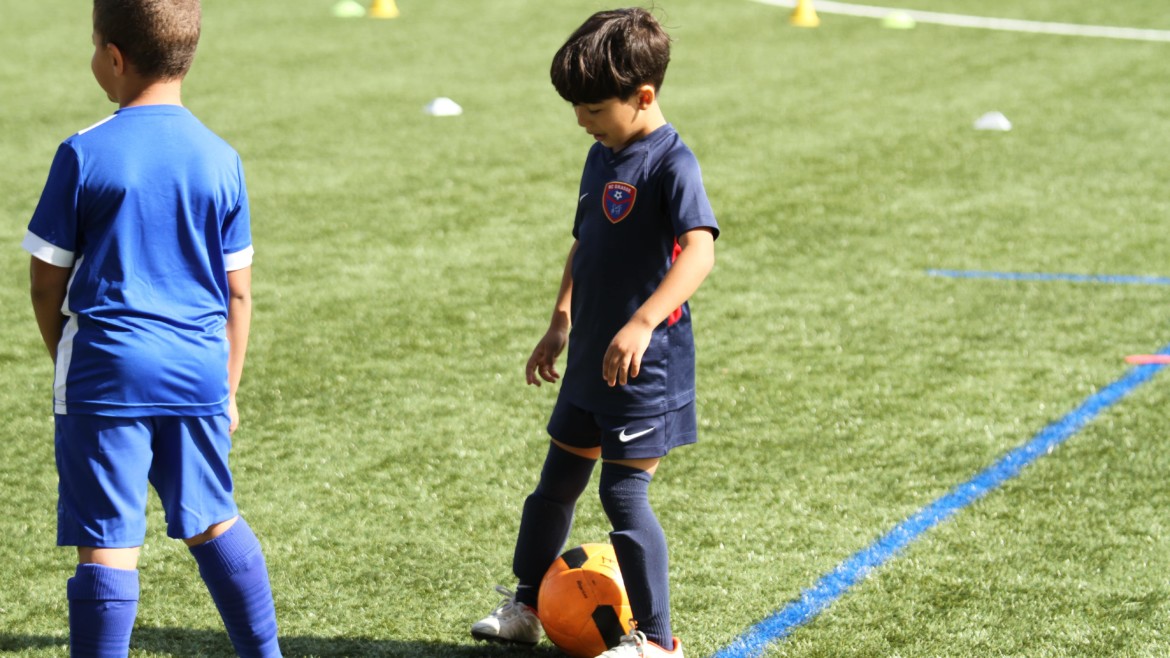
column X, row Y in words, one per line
column 582, row 601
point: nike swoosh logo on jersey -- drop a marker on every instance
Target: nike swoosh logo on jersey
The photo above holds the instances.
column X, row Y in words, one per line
column 623, row 437
column 582, row 197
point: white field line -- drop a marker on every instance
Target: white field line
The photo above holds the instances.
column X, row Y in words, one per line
column 1005, row 24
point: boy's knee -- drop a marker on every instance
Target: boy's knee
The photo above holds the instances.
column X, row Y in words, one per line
column 585, row 453
column 213, row 531
column 97, row 582
column 564, row 476
column 624, row 492
column 117, row 558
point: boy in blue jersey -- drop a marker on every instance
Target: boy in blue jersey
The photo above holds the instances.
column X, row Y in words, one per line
column 644, row 241
column 141, row 286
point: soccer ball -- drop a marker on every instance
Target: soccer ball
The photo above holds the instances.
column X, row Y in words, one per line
column 582, row 601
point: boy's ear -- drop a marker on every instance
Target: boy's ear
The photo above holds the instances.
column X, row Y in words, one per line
column 646, row 95
column 116, row 58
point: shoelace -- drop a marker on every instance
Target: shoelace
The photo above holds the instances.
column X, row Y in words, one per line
column 634, row 637
column 509, row 599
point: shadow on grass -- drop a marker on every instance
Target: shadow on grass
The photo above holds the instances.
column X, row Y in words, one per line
column 189, row 643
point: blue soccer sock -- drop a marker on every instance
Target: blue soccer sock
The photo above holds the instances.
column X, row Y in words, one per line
column 547, row 518
column 103, row 602
column 640, row 546
column 232, row 565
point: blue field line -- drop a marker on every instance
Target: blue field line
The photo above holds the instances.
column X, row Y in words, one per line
column 855, row 569
column 1041, row 276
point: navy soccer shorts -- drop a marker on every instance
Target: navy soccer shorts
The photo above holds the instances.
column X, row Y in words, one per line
column 104, row 464
column 623, row 437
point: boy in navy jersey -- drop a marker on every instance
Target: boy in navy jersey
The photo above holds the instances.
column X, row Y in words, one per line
column 141, row 286
column 644, row 241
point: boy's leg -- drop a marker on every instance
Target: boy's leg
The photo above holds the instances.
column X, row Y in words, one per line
column 233, row 567
column 544, row 527
column 194, row 483
column 102, row 466
column 640, row 546
column 103, row 602
column 548, row 518
column 632, row 449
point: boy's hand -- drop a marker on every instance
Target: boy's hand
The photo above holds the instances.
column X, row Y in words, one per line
column 623, row 358
column 234, row 414
column 543, row 361
column 48, row 285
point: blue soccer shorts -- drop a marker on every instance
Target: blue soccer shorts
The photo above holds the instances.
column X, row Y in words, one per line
column 104, row 464
column 624, row 437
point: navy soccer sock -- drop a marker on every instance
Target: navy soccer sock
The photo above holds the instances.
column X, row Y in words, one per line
column 103, row 602
column 232, row 565
column 547, row 518
column 640, row 546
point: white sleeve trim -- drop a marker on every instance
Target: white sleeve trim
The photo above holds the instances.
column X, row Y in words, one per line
column 239, row 260
column 42, row 249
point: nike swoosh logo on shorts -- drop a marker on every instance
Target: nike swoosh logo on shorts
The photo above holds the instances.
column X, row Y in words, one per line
column 624, row 438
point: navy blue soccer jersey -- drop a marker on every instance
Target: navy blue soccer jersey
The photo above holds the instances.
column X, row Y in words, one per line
column 150, row 210
column 633, row 205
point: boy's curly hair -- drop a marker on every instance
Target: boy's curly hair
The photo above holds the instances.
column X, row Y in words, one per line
column 158, row 37
column 610, row 56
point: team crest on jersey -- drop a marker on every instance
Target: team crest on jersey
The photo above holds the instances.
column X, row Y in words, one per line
column 618, row 200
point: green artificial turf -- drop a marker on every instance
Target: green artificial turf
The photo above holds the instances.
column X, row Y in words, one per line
column 407, row 264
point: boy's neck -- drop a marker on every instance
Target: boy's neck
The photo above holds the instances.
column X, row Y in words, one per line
column 156, row 92
column 652, row 120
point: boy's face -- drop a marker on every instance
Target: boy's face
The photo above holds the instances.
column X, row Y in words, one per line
column 102, row 66
column 617, row 122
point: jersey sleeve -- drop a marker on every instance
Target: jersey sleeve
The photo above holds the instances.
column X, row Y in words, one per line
column 237, row 229
column 578, row 215
column 686, row 198
column 582, row 195
column 53, row 230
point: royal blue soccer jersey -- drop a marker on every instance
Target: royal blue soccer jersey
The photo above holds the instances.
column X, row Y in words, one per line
column 150, row 210
column 633, row 205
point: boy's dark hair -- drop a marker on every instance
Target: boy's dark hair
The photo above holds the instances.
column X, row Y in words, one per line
column 158, row 37
column 610, row 56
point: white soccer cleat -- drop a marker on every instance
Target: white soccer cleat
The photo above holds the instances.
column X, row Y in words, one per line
column 635, row 645
column 511, row 622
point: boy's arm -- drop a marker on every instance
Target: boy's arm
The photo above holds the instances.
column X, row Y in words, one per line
column 47, row 287
column 623, row 359
column 239, row 325
column 543, row 361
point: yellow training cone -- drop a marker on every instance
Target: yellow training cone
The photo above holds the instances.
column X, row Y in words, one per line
column 804, row 15
column 383, row 9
